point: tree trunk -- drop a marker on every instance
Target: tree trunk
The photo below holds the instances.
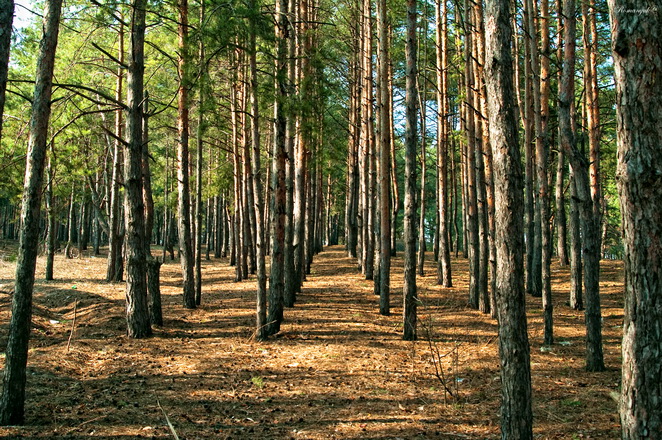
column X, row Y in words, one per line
column 183, row 186
column 51, row 234
column 198, row 166
column 638, row 72
column 516, row 413
column 444, row 262
column 137, row 312
column 589, row 226
column 115, row 258
column 409, row 290
column 277, row 281
column 6, row 19
column 384, row 143
column 473, row 244
column 12, row 400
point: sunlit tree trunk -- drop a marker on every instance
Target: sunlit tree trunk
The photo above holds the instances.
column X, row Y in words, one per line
column 12, row 400
column 516, row 413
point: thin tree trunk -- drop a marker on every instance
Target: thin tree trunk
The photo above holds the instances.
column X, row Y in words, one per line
column 115, row 260
column 12, row 399
column 6, row 19
column 516, row 413
column 444, row 262
column 409, row 290
column 589, row 226
column 183, row 185
column 51, row 234
column 384, row 162
column 256, row 169
column 198, row 166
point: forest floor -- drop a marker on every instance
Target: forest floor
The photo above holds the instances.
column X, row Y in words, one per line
column 337, row 370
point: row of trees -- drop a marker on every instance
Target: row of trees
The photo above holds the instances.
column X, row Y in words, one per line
column 273, row 72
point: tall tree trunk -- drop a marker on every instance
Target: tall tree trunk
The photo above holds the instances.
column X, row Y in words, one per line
column 472, row 202
column 444, row 262
column 290, row 277
column 592, row 107
column 277, row 281
column 6, row 19
column 198, row 165
column 422, row 245
column 115, row 259
column 638, row 72
column 516, row 413
column 153, row 265
column 481, row 142
column 12, row 400
column 409, row 290
column 542, row 153
column 256, row 169
column 183, row 186
column 384, row 143
column 589, row 226
column 137, row 312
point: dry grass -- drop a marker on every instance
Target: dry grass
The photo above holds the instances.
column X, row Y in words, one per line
column 337, row 370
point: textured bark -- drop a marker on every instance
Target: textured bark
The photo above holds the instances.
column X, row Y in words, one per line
column 256, row 169
column 444, row 261
column 137, row 311
column 576, row 289
column 409, row 290
column 561, row 217
column 637, row 52
column 277, row 280
column 384, row 162
column 6, row 19
column 473, row 239
column 516, row 413
column 12, row 400
column 183, row 185
column 197, row 264
column 154, row 289
column 589, row 226
column 115, row 260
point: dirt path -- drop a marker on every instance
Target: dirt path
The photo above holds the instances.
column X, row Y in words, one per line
column 337, row 370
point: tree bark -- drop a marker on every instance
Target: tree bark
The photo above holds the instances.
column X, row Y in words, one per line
column 444, row 262
column 384, row 162
column 409, row 290
column 137, row 312
column 278, row 201
column 183, row 185
column 12, row 400
column 6, row 19
column 115, row 239
column 637, row 53
column 516, row 413
column 589, row 226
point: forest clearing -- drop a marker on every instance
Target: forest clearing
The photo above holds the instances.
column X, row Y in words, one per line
column 337, row 369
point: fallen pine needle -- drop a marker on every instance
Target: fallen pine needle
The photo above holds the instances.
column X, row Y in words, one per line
column 172, row 428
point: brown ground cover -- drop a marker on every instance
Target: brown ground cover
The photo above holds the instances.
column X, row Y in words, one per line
column 338, row 370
